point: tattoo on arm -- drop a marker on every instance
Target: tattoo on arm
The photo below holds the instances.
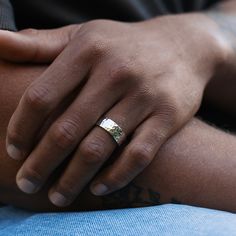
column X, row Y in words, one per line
column 134, row 196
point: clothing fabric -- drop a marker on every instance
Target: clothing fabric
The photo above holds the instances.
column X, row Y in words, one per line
column 6, row 16
column 165, row 220
column 55, row 13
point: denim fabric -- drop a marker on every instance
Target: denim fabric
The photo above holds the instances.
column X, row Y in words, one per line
column 159, row 220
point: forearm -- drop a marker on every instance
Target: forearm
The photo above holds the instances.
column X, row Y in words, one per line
column 221, row 90
column 196, row 166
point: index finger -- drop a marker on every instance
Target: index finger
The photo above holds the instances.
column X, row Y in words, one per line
column 42, row 97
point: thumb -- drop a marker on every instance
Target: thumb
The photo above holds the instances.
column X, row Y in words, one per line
column 32, row 45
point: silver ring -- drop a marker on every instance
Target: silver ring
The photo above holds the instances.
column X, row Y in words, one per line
column 113, row 129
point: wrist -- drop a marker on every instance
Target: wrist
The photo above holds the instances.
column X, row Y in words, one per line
column 211, row 42
column 220, row 92
column 222, row 25
column 197, row 38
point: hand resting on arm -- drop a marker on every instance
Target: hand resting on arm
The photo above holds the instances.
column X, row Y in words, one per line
column 196, row 166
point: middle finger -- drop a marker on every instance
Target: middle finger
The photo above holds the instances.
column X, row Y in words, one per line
column 65, row 134
column 93, row 152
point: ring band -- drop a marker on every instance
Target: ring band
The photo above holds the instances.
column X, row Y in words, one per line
column 113, row 129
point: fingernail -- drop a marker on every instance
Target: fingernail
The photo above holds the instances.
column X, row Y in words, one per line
column 99, row 189
column 26, row 186
column 14, row 152
column 58, row 199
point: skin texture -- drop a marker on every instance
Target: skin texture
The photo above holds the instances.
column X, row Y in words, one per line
column 155, row 72
column 196, row 166
column 212, row 56
column 224, row 15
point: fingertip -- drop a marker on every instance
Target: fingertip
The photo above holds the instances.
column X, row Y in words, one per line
column 58, row 199
column 26, row 186
column 14, row 152
column 99, row 189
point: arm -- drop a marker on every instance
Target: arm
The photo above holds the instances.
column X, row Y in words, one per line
column 163, row 93
column 196, row 166
column 221, row 90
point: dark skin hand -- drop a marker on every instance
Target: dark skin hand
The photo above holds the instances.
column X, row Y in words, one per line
column 196, row 166
column 150, row 82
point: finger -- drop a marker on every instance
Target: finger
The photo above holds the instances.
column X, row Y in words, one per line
column 41, row 98
column 93, row 152
column 96, row 147
column 33, row 45
column 135, row 158
column 65, row 134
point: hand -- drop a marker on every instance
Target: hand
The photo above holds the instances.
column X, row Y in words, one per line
column 148, row 77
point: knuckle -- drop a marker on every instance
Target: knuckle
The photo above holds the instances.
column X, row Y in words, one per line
column 119, row 74
column 64, row 134
column 147, row 98
column 159, row 136
column 169, row 109
column 141, row 156
column 94, row 43
column 29, row 31
column 38, row 98
column 92, row 152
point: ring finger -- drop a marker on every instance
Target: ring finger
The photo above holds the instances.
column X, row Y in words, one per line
column 65, row 134
column 93, row 152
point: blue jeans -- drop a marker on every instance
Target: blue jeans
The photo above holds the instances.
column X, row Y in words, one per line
column 167, row 219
